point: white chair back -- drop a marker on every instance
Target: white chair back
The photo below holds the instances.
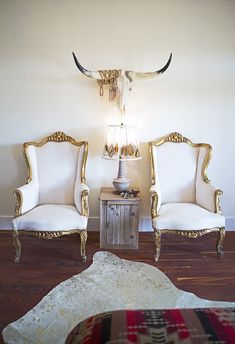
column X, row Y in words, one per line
column 175, row 166
column 56, row 166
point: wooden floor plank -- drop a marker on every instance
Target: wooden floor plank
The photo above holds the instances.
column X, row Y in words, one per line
column 191, row 264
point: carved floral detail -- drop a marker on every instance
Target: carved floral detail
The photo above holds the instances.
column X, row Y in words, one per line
column 157, row 236
column 17, row 245
column 175, row 137
column 50, row 235
column 18, row 202
column 218, row 194
column 85, row 205
column 154, row 203
column 191, row 233
column 83, row 236
column 219, row 243
column 59, row 136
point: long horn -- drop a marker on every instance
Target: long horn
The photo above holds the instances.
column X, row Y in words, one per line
column 148, row 75
column 86, row 72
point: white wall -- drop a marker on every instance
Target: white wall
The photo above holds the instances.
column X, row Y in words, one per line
column 41, row 90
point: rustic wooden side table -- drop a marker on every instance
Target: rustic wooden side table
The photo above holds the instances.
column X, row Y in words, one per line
column 119, row 220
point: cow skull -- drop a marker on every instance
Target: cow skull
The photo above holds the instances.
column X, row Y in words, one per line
column 118, row 80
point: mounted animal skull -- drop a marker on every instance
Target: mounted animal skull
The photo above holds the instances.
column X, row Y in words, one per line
column 118, row 80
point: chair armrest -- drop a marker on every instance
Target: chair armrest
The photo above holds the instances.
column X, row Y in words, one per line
column 26, row 198
column 81, row 198
column 155, row 194
column 208, row 196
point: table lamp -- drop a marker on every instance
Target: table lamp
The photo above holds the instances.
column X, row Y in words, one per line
column 121, row 144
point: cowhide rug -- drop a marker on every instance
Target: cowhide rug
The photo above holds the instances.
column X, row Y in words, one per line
column 108, row 284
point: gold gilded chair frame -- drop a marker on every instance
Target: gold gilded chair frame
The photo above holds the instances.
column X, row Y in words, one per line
column 58, row 136
column 178, row 138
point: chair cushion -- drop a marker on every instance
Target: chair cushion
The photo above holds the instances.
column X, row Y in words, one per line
column 51, row 217
column 186, row 216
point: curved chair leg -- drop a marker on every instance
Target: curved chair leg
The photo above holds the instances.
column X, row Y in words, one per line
column 219, row 243
column 17, row 245
column 157, row 235
column 83, row 236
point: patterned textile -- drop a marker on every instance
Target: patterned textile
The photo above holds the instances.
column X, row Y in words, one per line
column 157, row 326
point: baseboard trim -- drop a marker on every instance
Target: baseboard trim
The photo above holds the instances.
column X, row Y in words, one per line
column 5, row 222
column 145, row 224
column 230, row 223
column 93, row 224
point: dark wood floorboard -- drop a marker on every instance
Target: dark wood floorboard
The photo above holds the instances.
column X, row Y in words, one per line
column 191, row 264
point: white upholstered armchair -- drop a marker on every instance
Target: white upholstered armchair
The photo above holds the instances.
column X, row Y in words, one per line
column 183, row 201
column 54, row 202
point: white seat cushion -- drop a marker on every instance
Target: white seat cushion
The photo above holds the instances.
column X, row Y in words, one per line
column 186, row 216
column 51, row 217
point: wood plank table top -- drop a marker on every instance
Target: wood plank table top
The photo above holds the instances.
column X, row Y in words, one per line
column 110, row 194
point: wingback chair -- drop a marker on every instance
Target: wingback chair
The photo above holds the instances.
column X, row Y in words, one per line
column 183, row 201
column 54, row 202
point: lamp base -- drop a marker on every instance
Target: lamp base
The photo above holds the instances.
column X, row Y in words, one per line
column 121, row 184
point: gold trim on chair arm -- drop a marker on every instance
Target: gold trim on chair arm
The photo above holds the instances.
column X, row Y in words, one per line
column 218, row 194
column 85, row 205
column 154, row 204
column 58, row 136
column 178, row 138
column 18, row 202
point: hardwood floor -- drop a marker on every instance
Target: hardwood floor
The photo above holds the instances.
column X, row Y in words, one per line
column 191, row 264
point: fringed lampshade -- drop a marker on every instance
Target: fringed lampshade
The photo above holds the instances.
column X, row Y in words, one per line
column 121, row 144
